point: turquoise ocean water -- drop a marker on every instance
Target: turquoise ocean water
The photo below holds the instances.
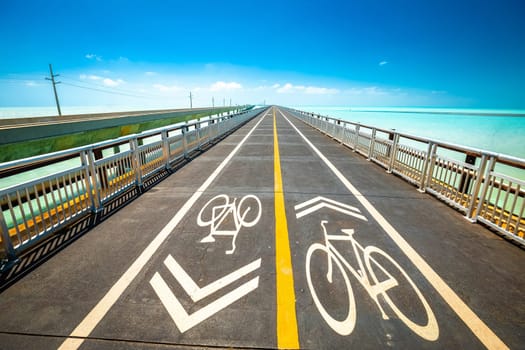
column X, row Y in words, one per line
column 491, row 130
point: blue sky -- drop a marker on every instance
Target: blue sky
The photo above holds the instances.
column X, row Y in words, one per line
column 356, row 53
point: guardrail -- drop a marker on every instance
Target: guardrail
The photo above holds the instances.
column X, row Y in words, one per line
column 486, row 186
column 95, row 174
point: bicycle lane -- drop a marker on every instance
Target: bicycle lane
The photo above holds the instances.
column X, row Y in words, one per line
column 199, row 288
column 418, row 316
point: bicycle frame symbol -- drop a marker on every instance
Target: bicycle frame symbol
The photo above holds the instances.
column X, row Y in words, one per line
column 368, row 265
column 218, row 209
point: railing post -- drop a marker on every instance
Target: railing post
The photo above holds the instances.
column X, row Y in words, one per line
column 90, row 188
column 393, row 153
column 428, row 167
column 216, row 123
column 184, row 131
column 134, row 146
column 476, row 188
column 165, row 148
column 6, row 240
column 96, row 186
column 372, row 144
column 486, row 184
column 343, row 132
column 357, row 127
column 465, row 179
column 198, row 132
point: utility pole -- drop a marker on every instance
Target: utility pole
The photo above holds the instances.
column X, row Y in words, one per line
column 213, row 102
column 191, row 101
column 230, row 102
column 223, row 102
column 54, row 86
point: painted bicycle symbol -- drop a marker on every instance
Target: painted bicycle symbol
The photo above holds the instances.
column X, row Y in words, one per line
column 219, row 212
column 368, row 260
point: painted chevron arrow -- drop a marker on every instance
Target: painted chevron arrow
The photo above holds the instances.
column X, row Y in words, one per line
column 182, row 319
column 314, row 204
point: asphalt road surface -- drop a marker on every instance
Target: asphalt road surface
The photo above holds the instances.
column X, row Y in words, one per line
column 277, row 237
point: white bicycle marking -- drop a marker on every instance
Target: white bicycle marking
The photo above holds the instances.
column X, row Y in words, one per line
column 374, row 287
column 469, row 317
column 93, row 318
column 220, row 208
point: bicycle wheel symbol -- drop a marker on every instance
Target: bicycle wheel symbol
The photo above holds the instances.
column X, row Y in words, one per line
column 226, row 218
column 378, row 273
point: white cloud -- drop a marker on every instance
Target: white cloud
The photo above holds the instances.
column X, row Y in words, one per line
column 221, row 86
column 112, row 83
column 382, row 63
column 320, row 90
column 92, row 56
column 150, row 74
column 311, row 90
column 275, row 86
column 90, row 77
column 289, row 88
column 31, row 83
column 106, row 81
column 374, row 90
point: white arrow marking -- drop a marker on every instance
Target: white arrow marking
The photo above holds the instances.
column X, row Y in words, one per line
column 328, row 203
column 182, row 319
column 194, row 291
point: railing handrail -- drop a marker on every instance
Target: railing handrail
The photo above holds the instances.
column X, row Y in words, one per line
column 476, row 187
column 32, row 210
column 8, row 122
column 58, row 155
column 504, row 158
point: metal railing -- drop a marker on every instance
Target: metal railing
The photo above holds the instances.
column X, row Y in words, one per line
column 95, row 174
column 485, row 186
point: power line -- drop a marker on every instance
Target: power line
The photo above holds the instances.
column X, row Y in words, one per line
column 126, row 91
column 105, row 91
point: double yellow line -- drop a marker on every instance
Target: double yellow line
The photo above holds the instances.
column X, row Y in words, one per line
column 287, row 334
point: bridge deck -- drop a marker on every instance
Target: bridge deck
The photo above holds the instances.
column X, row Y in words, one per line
column 161, row 274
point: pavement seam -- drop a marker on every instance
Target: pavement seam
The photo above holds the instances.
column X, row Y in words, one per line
column 110, row 340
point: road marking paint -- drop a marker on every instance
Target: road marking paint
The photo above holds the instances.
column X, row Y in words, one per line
column 93, row 318
column 197, row 293
column 287, row 334
column 327, row 203
column 476, row 325
column 182, row 319
column 225, row 209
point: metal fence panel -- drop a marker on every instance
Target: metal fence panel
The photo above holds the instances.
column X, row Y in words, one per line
column 32, row 210
column 474, row 188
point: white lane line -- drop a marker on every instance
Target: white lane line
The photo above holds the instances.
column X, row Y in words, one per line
column 476, row 325
column 99, row 311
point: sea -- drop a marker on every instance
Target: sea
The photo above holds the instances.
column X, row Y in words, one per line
column 499, row 131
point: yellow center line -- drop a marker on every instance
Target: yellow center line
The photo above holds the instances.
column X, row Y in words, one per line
column 287, row 335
